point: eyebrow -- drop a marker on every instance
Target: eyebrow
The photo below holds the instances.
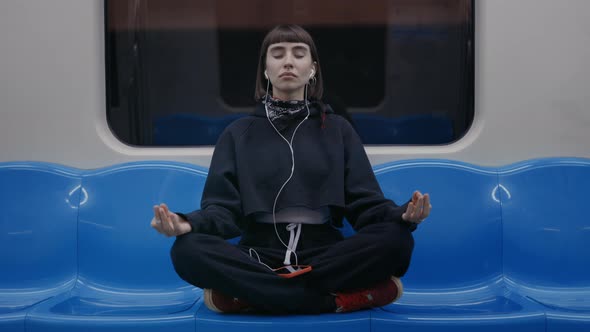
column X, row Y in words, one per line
column 282, row 48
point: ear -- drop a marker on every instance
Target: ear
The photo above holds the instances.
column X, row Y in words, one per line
column 312, row 70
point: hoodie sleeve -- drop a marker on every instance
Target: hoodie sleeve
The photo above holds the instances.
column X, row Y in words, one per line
column 221, row 207
column 364, row 200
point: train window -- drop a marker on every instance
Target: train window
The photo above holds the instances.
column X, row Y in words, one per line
column 179, row 71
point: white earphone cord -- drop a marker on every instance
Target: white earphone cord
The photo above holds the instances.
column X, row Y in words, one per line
column 291, row 248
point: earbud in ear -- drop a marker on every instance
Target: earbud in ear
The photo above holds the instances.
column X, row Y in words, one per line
column 311, row 74
column 265, row 74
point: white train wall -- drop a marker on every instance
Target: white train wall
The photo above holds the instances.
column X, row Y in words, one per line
column 532, row 87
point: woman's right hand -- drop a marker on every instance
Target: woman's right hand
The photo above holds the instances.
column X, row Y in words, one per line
column 169, row 223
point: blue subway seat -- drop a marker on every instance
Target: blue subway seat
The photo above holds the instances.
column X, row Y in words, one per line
column 504, row 248
column 207, row 320
column 125, row 277
column 37, row 237
column 547, row 236
column 455, row 280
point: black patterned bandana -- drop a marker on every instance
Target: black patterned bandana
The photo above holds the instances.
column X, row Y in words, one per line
column 283, row 112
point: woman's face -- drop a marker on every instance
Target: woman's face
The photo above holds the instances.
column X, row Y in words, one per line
column 289, row 67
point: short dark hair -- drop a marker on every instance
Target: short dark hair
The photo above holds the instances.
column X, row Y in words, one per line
column 289, row 33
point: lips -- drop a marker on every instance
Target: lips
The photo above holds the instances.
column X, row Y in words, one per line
column 287, row 74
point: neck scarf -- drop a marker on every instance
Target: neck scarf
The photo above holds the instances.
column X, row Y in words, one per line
column 284, row 112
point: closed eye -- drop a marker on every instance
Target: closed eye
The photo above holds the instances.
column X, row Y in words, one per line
column 277, row 55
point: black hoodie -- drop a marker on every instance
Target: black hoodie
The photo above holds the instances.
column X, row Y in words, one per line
column 251, row 162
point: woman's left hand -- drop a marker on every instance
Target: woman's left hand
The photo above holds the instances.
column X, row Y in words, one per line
column 418, row 209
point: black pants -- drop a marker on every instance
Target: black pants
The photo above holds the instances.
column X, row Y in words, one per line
column 375, row 253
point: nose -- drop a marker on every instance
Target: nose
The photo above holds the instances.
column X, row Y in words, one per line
column 288, row 60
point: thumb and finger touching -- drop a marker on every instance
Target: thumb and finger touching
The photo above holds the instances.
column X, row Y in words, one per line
column 419, row 208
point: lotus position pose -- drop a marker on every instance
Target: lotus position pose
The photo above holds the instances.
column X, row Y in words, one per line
column 283, row 179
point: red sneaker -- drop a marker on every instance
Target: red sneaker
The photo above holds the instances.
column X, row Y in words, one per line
column 221, row 303
column 383, row 293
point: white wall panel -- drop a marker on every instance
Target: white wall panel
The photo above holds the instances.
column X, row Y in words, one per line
column 532, row 84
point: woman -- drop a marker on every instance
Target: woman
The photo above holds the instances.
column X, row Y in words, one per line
column 282, row 179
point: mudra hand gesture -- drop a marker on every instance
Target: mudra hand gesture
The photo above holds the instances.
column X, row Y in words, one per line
column 418, row 209
column 168, row 223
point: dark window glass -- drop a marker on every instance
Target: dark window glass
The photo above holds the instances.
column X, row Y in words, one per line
column 179, row 71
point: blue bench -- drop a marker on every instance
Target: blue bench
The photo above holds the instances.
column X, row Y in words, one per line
column 504, row 248
column 547, row 238
column 37, row 237
column 125, row 277
column 455, row 279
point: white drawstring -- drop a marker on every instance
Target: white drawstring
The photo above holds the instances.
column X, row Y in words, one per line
column 292, row 247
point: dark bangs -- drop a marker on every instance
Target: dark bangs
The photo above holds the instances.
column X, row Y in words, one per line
column 286, row 34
